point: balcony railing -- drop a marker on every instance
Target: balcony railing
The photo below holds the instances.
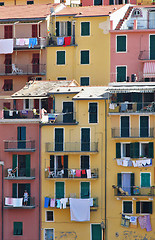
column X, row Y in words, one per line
column 132, row 107
column 19, row 174
column 146, row 55
column 54, row 41
column 59, row 118
column 132, row 132
column 71, row 147
column 134, row 191
column 29, row 43
column 19, row 145
column 138, row 24
column 22, row 69
column 72, row 173
column 10, row 202
column 19, row 114
column 134, row 162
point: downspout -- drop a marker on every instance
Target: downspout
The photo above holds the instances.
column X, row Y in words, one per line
column 105, row 169
column 39, row 181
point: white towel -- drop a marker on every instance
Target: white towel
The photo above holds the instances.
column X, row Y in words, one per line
column 17, row 202
column 8, row 201
column 10, row 113
column 6, row 46
column 26, row 41
column 79, row 209
column 88, row 173
column 134, row 163
column 125, row 163
column 119, row 162
column 91, row 202
column 63, row 202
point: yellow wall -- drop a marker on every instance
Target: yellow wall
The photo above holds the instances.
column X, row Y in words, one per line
column 62, row 221
column 24, row 2
column 98, row 43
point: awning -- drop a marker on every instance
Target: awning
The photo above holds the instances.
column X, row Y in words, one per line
column 149, row 70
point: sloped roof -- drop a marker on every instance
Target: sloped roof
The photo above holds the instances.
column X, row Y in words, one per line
column 93, row 92
column 89, row 11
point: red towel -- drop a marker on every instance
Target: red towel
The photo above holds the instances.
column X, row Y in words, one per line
column 67, row 41
column 84, row 171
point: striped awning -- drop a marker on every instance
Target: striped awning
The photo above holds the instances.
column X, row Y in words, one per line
column 149, row 70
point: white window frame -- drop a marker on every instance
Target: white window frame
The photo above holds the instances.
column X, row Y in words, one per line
column 84, row 77
column 31, row 104
column 129, row 124
column 89, row 160
column 123, row 35
column 57, row 58
column 126, row 71
column 63, row 137
column 81, row 29
column 122, row 148
column 81, row 137
column 132, row 206
column 148, row 124
column 140, row 207
column 53, row 232
column 46, row 215
column 80, row 57
column 97, row 113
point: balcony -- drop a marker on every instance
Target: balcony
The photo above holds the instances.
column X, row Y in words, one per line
column 132, row 133
column 19, row 145
column 133, row 24
column 30, row 43
column 17, row 203
column 134, row 162
column 146, row 55
column 20, row 174
column 19, row 114
column 134, row 191
column 71, row 147
column 54, row 41
column 132, row 107
column 72, row 173
column 60, row 118
column 22, row 69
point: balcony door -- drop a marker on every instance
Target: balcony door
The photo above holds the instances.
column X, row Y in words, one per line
column 8, row 31
column 124, row 126
column 59, row 139
column 152, row 47
column 35, row 63
column 85, row 139
column 18, row 190
column 21, row 137
column 23, row 164
column 144, row 126
column 126, row 182
column 68, row 112
column 8, row 63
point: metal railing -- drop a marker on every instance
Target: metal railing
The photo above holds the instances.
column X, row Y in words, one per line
column 139, row 24
column 60, row 117
column 28, row 42
column 10, row 202
column 146, row 55
column 19, row 114
column 132, row 132
column 132, row 107
column 72, row 173
column 53, row 41
column 22, row 69
column 71, row 147
column 134, row 191
column 19, row 173
column 19, row 145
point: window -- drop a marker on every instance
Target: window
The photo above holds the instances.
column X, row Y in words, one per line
column 144, row 207
column 60, row 190
column 121, row 74
column 21, row 137
column 85, row 164
column 63, row 29
column 28, row 104
column 145, row 180
column 60, row 57
column 23, row 163
column 8, row 32
column 59, row 139
column 124, row 126
column 126, row 182
column 1, row 3
column 85, row 189
column 85, row 57
column 85, row 29
column 17, row 228
column 30, row 2
column 61, row 78
column 49, row 234
column 93, row 112
column 8, row 63
column 97, row 2
column 85, row 139
column 144, row 126
column 96, row 232
column 6, row 105
column 121, row 43
column 58, row 163
column 122, row 150
column 8, row 85
column 68, row 109
column 127, row 207
column 49, row 216
column 84, row 81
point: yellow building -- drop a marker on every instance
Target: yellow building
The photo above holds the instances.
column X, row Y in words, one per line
column 73, row 163
column 25, row 2
column 130, row 169
column 80, row 43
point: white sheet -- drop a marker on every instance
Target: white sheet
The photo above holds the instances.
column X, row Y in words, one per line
column 6, row 46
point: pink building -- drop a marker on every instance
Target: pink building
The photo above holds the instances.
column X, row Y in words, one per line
column 106, row 2
column 133, row 46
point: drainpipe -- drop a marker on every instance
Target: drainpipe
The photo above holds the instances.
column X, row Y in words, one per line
column 2, row 164
column 39, row 181
column 105, row 169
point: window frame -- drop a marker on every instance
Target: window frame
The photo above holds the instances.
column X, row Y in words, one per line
column 14, row 229
column 123, row 206
column 62, row 64
column 88, row 80
column 116, row 71
column 141, row 178
column 28, row 2
column 140, row 125
column 81, row 139
column 89, row 188
column 5, row 83
column 81, row 57
column 81, row 29
column 61, row 78
column 53, row 232
column 97, row 113
column 141, row 201
column 46, row 216
column 124, row 35
column 55, row 188
column 63, row 136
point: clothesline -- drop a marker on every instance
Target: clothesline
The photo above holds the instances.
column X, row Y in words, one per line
column 131, row 221
column 137, row 163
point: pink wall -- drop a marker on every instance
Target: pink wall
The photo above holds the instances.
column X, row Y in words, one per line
column 136, row 41
column 104, row 2
column 29, row 217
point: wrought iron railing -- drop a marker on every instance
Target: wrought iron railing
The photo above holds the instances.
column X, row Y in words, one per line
column 132, row 107
column 132, row 132
column 12, row 145
column 71, row 147
column 19, row 173
column 22, row 69
column 10, row 202
column 134, row 191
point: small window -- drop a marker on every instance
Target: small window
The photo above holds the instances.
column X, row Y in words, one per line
column 144, row 207
column 85, row 190
column 60, row 57
column 30, row 2
column 145, row 180
column 121, row 43
column 84, row 81
column 27, row 103
column 92, row 112
column 121, row 74
column 61, row 78
column 127, row 207
column 85, row 29
column 8, row 85
column 49, row 216
column 1, row 3
column 85, row 57
column 17, row 228
column 49, row 234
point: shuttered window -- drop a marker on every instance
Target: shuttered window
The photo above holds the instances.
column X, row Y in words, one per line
column 17, row 228
column 85, row 189
column 124, row 126
column 144, row 126
column 127, row 207
column 121, row 43
column 121, row 74
column 118, row 150
column 60, row 57
column 59, row 139
column 92, row 112
column 151, row 150
column 60, row 190
column 85, row 57
column 84, row 81
column 145, row 180
column 96, row 232
column 85, row 28
column 144, row 207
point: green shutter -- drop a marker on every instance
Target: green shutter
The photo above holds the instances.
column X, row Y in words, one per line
column 60, row 57
column 57, row 29
column 96, row 232
column 59, row 139
column 84, row 81
column 151, row 150
column 150, row 207
column 131, row 150
column 92, row 112
column 124, row 126
column 121, row 43
column 14, row 163
column 51, row 162
column 132, row 182
column 85, row 189
column 118, row 150
column 127, row 207
column 85, row 29
column 137, row 207
column 145, row 179
column 17, row 228
column 144, row 126
column 152, row 47
column 27, row 158
column 66, row 166
column 136, row 150
column 85, row 57
column 121, row 74
column 68, row 28
column 119, row 179
column 14, row 190
column 59, row 190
